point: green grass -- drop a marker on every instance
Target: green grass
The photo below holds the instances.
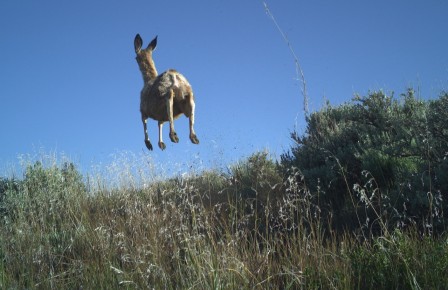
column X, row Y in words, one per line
column 249, row 228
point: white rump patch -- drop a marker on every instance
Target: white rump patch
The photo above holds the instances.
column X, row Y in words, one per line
column 175, row 82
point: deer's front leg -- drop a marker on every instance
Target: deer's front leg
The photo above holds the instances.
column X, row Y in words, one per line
column 169, row 107
column 161, row 144
column 147, row 142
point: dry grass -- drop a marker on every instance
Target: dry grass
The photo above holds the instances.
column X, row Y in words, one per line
column 248, row 228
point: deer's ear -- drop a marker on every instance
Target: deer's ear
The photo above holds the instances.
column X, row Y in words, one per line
column 152, row 45
column 138, row 43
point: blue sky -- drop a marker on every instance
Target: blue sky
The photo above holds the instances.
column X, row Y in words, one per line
column 69, row 82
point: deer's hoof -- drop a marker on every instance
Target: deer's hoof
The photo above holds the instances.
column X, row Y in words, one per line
column 173, row 137
column 148, row 145
column 194, row 139
column 162, row 145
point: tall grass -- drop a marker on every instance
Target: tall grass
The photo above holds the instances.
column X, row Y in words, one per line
column 247, row 228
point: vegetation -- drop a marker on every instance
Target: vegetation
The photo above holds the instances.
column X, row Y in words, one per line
column 357, row 203
column 378, row 161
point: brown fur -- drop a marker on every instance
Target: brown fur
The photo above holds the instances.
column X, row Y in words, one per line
column 164, row 97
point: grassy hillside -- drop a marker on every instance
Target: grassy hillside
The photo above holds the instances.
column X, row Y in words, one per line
column 247, row 228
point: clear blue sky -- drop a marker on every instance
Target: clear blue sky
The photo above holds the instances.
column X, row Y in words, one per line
column 69, row 82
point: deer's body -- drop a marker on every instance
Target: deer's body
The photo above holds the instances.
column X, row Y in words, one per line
column 164, row 97
column 160, row 88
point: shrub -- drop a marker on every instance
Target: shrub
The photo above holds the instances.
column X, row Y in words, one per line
column 377, row 157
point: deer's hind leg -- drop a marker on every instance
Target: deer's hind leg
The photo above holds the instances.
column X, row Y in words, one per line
column 169, row 107
column 190, row 114
column 161, row 144
column 147, row 142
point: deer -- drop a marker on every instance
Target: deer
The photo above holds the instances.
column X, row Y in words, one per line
column 163, row 97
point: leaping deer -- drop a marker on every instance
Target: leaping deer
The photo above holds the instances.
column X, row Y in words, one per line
column 164, row 97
